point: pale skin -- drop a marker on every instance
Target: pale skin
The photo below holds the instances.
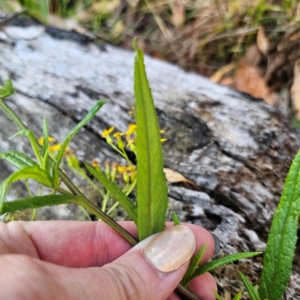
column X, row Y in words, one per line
column 62, row 260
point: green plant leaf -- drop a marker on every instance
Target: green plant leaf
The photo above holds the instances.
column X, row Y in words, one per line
column 249, row 287
column 7, row 90
column 238, row 296
column 45, row 147
column 218, row 297
column 282, row 239
column 209, row 266
column 33, row 142
column 65, row 143
column 18, row 159
column 38, row 201
column 193, row 265
column 35, row 173
column 115, row 191
column 176, row 220
column 152, row 191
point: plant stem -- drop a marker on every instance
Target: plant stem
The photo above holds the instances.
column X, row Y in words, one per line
column 90, row 206
column 87, row 204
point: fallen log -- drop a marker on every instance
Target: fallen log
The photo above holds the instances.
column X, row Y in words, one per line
column 236, row 150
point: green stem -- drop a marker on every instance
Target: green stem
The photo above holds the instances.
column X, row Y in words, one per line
column 104, row 202
column 87, row 204
column 12, row 115
column 33, row 214
column 90, row 206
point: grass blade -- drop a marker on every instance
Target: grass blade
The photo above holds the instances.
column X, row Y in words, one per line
column 18, row 159
column 238, row 296
column 65, row 143
column 282, row 239
column 152, row 198
column 115, row 191
column 249, row 287
column 39, row 201
column 193, row 265
column 209, row 266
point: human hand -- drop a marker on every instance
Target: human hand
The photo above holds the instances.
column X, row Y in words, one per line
column 61, row 260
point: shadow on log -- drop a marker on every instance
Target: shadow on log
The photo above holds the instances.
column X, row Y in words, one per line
column 236, row 149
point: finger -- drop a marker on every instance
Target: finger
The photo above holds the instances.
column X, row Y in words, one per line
column 79, row 244
column 150, row 270
column 198, row 285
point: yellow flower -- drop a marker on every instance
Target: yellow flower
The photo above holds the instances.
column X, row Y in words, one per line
column 120, row 143
column 50, row 139
column 54, row 148
column 130, row 140
column 131, row 129
column 121, row 169
column 163, row 140
column 107, row 132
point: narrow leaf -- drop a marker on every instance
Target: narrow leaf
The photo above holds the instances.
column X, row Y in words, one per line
column 249, row 287
column 115, row 191
column 18, row 159
column 238, row 296
column 45, row 137
column 176, row 220
column 193, row 265
column 45, row 146
column 282, row 239
column 33, row 142
column 7, row 90
column 209, row 266
column 152, row 191
column 35, row 173
column 38, row 201
column 65, row 143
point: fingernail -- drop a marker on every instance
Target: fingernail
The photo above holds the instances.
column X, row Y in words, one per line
column 170, row 249
column 217, row 243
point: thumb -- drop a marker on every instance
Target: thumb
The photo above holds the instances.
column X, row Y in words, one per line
column 150, row 270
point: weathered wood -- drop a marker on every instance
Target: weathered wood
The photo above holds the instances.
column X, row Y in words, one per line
column 235, row 148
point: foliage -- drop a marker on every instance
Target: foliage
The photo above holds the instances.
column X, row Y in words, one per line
column 149, row 212
column 227, row 27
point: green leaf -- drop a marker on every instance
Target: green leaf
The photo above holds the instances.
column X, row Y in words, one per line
column 7, row 90
column 35, row 173
column 152, row 191
column 218, row 297
column 193, row 265
column 38, row 201
column 33, row 142
column 282, row 239
column 238, row 296
column 176, row 220
column 45, row 147
column 45, row 137
column 18, row 159
column 250, row 288
column 209, row 266
column 115, row 191
column 65, row 143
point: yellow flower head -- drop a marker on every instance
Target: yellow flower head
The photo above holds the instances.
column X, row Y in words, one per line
column 54, row 148
column 121, row 169
column 118, row 134
column 131, row 129
column 50, row 139
column 107, row 132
